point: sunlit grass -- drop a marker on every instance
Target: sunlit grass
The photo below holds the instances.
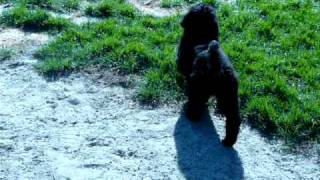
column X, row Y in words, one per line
column 32, row 19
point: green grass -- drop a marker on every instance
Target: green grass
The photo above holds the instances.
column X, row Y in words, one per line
column 142, row 45
column 274, row 46
column 71, row 4
column 33, row 19
column 5, row 54
column 106, row 8
column 39, row 3
column 56, row 5
column 171, row 3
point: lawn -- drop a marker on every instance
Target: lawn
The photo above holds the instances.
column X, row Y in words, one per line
column 274, row 45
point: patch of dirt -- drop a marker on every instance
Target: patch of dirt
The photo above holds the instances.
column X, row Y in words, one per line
column 78, row 16
column 19, row 40
column 153, row 8
column 110, row 78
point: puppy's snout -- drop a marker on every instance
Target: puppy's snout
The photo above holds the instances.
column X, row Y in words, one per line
column 213, row 45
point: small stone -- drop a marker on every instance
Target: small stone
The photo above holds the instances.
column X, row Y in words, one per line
column 53, row 106
column 74, row 101
column 61, row 96
column 92, row 90
column 120, row 153
column 27, row 148
column 6, row 148
column 54, row 119
column 50, row 102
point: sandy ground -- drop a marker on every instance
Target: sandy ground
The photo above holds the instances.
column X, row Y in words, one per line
column 153, row 7
column 78, row 128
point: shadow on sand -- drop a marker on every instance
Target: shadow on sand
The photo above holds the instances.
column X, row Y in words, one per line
column 200, row 153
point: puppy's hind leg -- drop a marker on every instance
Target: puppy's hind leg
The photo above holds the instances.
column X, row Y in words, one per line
column 197, row 103
column 229, row 104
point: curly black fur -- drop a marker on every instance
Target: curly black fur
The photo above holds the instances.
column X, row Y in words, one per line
column 200, row 27
column 212, row 74
column 206, row 69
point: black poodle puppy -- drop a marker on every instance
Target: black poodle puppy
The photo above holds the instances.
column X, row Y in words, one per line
column 200, row 26
column 206, row 70
column 212, row 74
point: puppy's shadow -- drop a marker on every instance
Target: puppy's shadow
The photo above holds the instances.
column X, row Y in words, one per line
column 200, row 153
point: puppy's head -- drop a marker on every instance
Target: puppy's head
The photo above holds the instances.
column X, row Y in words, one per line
column 201, row 21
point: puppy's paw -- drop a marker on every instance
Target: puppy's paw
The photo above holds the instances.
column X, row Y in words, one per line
column 193, row 116
column 194, row 113
column 227, row 142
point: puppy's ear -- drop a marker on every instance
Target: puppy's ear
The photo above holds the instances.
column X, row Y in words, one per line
column 210, row 12
column 209, row 9
column 189, row 17
column 186, row 21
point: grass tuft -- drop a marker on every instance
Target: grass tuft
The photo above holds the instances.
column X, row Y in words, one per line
column 33, row 20
column 38, row 3
column 108, row 8
column 103, row 9
column 71, row 4
column 55, row 5
column 171, row 3
column 5, row 54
